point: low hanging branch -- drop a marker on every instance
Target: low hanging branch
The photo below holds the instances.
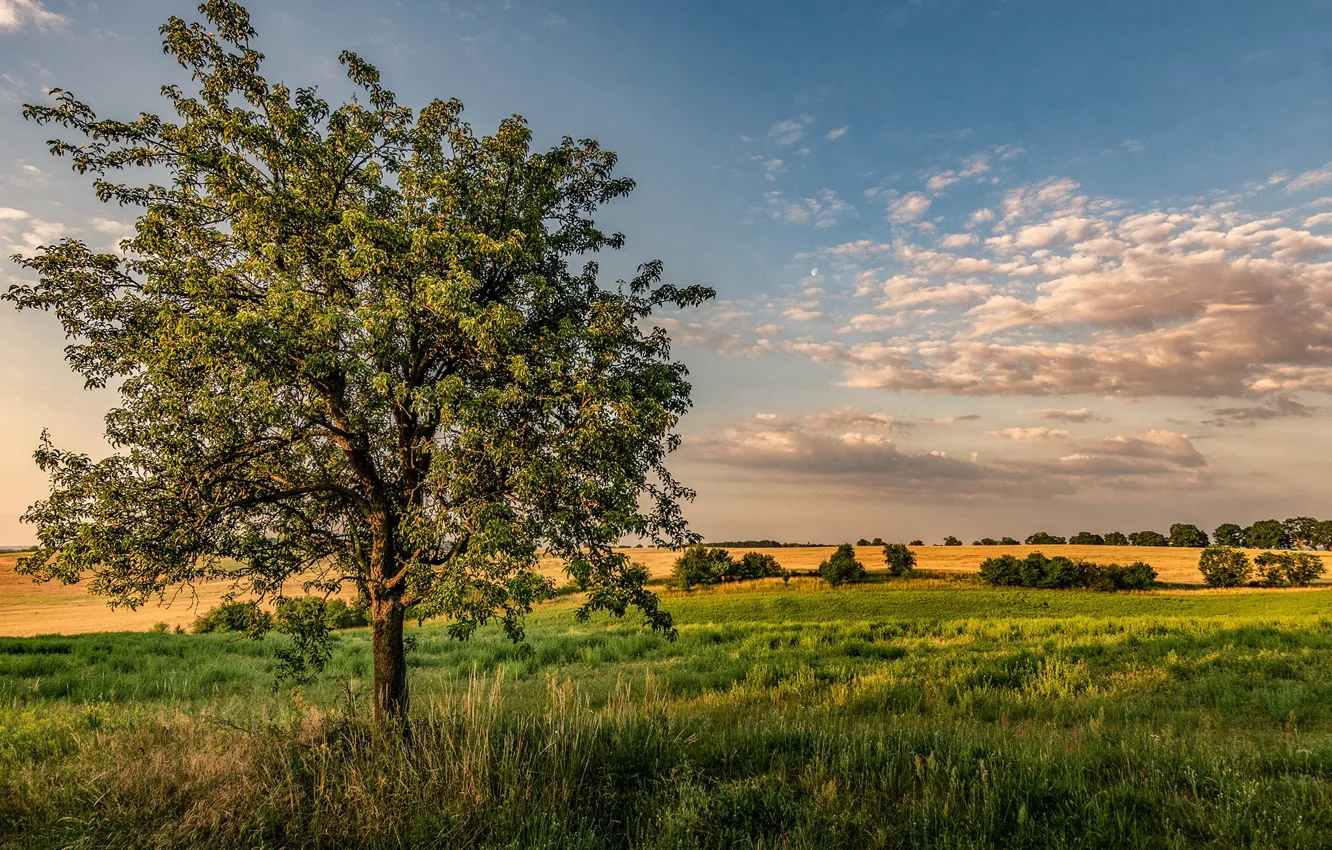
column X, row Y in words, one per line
column 349, row 344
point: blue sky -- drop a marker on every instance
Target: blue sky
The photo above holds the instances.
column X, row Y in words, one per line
column 983, row 267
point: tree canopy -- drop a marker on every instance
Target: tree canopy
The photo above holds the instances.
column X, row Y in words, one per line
column 352, row 349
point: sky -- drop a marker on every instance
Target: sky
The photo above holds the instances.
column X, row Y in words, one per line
column 983, row 268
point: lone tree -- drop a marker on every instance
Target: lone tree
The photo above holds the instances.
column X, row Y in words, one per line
column 351, row 351
column 1186, row 535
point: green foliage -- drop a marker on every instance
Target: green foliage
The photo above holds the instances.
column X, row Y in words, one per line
column 1038, row 570
column 1041, row 538
column 842, row 567
column 755, row 565
column 950, row 540
column 1230, row 535
column 232, row 616
column 701, row 565
column 985, row 541
column 1188, row 536
column 916, row 543
column 900, row 559
column 1086, row 538
column 1008, row 541
column 1268, row 534
column 358, row 341
column 1222, row 566
column 1116, row 538
column 1288, row 569
column 1148, row 538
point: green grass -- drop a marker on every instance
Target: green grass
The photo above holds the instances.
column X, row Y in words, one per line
column 900, row 715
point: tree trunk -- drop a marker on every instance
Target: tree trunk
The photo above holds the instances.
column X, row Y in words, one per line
column 390, row 661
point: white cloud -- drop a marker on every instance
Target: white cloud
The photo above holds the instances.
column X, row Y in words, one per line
column 787, row 132
column 837, row 133
column 1311, row 179
column 1030, row 435
column 909, row 207
column 17, row 14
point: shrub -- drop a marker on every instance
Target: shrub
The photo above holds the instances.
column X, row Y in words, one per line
column 701, row 565
column 950, row 540
column 1136, row 576
column 1288, row 569
column 1009, row 541
column 916, row 543
column 842, row 567
column 1038, row 570
column 1041, row 538
column 985, row 541
column 755, row 565
column 234, row 616
column 1222, row 566
column 900, row 560
column 161, row 628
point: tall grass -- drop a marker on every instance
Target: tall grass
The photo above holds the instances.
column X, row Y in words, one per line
column 773, row 722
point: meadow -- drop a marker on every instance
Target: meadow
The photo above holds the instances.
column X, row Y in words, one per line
column 929, row 712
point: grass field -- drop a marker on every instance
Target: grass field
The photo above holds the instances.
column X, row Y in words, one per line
column 28, row 609
column 922, row 713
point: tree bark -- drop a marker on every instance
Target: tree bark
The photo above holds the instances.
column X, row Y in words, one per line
column 390, row 660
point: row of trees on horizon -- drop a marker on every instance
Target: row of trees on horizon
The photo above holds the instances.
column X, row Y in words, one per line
column 1295, row 533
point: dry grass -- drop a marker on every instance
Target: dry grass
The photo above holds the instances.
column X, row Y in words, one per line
column 28, row 609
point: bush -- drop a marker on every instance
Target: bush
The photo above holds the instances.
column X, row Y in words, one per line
column 755, row 565
column 1288, row 569
column 1136, row 576
column 842, row 567
column 1038, row 570
column 916, row 543
column 161, row 628
column 900, row 560
column 234, row 617
column 1116, row 538
column 950, row 540
column 1009, row 541
column 341, row 615
column 1222, row 566
column 701, row 565
column 1087, row 538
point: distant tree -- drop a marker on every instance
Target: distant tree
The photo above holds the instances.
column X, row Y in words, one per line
column 1188, row 536
column 356, row 344
column 1041, row 538
column 864, row 541
column 1268, row 534
column 900, row 559
column 950, row 540
column 1148, row 538
column 916, row 543
column 1116, row 538
column 878, row 541
column 1322, row 535
column 986, row 541
column 1087, row 538
column 842, row 567
column 1302, row 530
column 1230, row 535
column 1009, row 541
column 1222, row 566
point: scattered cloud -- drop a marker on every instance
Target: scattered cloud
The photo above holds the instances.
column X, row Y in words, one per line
column 1030, row 435
column 909, row 207
column 837, row 133
column 788, row 132
column 1310, row 179
column 17, row 14
column 1052, row 414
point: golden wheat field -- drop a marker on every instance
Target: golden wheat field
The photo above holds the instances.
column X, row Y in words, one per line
column 27, row 608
